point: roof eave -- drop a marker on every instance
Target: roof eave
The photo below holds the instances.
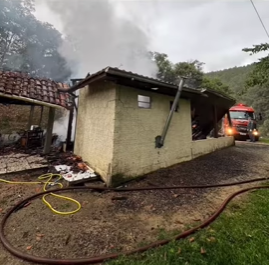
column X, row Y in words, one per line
column 110, row 72
column 33, row 101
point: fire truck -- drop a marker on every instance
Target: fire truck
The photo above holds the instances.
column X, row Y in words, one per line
column 239, row 115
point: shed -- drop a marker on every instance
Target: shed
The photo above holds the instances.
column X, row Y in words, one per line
column 120, row 114
column 21, row 89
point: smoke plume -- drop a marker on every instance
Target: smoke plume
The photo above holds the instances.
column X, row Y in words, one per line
column 97, row 36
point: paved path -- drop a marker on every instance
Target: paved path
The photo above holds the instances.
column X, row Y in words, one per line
column 20, row 162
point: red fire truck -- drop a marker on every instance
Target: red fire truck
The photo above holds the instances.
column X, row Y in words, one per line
column 240, row 114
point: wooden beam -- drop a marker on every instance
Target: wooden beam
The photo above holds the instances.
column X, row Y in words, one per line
column 41, row 115
column 49, row 130
column 31, row 116
column 215, row 119
column 69, row 129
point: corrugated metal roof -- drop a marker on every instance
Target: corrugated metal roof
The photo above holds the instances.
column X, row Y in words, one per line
column 120, row 72
column 127, row 74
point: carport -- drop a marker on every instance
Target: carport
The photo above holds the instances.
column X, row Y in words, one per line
column 211, row 108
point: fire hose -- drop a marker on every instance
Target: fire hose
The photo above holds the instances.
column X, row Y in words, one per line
column 102, row 258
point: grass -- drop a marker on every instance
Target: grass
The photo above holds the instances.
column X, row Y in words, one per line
column 264, row 140
column 240, row 236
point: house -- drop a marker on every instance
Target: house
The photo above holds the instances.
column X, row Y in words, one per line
column 121, row 115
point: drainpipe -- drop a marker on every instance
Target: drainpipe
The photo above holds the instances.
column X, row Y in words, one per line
column 159, row 140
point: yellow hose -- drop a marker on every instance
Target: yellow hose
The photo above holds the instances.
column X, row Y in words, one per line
column 48, row 177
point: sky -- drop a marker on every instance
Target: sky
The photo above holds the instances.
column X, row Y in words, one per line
column 213, row 32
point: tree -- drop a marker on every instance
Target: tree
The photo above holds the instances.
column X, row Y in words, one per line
column 29, row 45
column 260, row 73
column 166, row 68
column 170, row 72
column 193, row 70
column 257, row 93
column 216, row 84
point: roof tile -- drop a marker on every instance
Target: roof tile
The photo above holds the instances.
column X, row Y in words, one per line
column 43, row 90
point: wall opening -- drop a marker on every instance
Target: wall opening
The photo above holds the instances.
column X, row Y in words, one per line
column 144, row 102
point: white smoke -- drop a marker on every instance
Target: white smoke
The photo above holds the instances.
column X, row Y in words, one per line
column 60, row 126
column 97, row 34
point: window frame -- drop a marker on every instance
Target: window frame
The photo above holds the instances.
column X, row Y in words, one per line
column 144, row 100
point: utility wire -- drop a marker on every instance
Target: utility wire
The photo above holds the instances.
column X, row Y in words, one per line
column 259, row 18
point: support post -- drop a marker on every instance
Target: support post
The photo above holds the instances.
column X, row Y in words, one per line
column 215, row 118
column 76, row 116
column 49, row 130
column 229, row 119
column 41, row 116
column 71, row 117
column 69, row 128
column 30, row 121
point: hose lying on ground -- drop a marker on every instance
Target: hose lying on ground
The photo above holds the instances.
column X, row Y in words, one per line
column 101, row 258
column 48, row 177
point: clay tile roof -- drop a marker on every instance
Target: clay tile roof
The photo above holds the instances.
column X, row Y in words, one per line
column 42, row 90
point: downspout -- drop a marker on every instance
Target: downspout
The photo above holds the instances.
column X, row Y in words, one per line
column 159, row 140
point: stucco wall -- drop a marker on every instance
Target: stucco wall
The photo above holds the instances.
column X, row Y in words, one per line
column 203, row 147
column 136, row 128
column 95, row 126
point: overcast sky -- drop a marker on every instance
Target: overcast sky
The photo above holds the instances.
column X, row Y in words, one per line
column 213, row 32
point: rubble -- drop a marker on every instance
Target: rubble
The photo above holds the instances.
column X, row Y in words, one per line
column 71, row 167
column 74, row 170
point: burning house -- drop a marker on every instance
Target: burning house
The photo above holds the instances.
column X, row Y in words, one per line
column 127, row 124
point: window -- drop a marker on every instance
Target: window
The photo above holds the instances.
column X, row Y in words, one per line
column 144, row 102
column 242, row 115
column 171, row 103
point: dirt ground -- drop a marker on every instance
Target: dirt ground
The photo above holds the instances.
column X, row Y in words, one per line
column 104, row 225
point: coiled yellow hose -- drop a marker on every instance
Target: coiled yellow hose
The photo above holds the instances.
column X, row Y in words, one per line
column 48, row 177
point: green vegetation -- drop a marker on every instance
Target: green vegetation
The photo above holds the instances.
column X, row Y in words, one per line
column 238, row 237
column 171, row 72
column 264, row 140
column 235, row 78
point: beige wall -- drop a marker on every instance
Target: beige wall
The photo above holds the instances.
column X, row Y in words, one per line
column 203, row 147
column 95, row 127
column 136, row 128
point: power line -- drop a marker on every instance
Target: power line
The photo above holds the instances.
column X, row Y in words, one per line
column 259, row 18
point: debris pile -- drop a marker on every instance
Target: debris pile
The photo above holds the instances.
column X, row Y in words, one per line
column 71, row 167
